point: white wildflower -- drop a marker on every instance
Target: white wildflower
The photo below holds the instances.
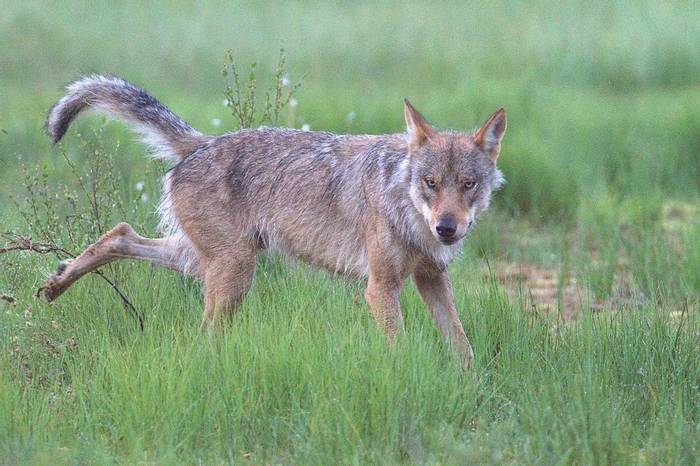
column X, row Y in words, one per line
column 293, row 102
column 305, row 127
column 216, row 121
column 139, row 186
column 144, row 197
column 285, row 80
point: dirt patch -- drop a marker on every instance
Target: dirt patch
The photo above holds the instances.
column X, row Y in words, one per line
column 546, row 290
column 678, row 216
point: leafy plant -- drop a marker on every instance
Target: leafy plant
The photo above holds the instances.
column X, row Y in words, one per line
column 242, row 95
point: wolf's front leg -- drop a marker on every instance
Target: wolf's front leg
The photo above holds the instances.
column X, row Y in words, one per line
column 382, row 295
column 436, row 290
column 385, row 283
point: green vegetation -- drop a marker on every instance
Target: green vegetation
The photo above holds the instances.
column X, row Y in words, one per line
column 580, row 290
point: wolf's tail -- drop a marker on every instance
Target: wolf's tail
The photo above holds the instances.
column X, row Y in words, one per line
column 168, row 135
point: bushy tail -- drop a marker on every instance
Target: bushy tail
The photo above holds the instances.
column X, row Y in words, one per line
column 165, row 132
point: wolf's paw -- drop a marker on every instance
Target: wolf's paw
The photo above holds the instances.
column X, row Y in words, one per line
column 53, row 286
column 468, row 361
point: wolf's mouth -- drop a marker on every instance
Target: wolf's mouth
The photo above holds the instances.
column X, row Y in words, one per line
column 450, row 241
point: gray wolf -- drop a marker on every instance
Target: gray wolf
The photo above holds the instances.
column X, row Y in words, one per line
column 381, row 207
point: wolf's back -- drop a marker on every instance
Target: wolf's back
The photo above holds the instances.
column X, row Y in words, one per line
column 165, row 132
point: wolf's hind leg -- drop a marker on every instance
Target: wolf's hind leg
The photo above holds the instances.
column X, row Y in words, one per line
column 121, row 242
column 227, row 280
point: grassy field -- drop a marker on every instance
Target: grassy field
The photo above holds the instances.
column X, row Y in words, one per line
column 579, row 290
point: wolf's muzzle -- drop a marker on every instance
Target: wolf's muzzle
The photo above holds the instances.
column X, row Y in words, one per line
column 446, row 228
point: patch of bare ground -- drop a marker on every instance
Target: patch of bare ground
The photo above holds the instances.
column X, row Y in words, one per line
column 545, row 290
column 548, row 290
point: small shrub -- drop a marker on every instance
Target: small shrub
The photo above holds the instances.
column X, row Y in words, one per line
column 242, row 96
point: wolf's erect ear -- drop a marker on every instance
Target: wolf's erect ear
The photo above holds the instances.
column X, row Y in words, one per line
column 419, row 130
column 489, row 136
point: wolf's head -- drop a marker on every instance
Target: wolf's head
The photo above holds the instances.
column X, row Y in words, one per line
column 453, row 174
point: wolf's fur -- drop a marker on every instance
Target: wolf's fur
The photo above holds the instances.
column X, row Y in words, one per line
column 382, row 207
column 168, row 135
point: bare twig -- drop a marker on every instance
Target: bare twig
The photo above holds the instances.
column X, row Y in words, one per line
column 24, row 243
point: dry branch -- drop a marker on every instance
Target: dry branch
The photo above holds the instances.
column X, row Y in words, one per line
column 17, row 242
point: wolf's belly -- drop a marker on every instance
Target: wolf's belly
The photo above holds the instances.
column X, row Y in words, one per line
column 341, row 252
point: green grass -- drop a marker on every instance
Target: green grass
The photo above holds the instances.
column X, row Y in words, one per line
column 602, row 157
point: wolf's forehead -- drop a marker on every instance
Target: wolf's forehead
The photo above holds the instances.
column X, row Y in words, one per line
column 453, row 152
column 461, row 143
column 454, row 145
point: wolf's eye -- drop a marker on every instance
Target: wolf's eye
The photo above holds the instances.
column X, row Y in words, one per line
column 469, row 185
column 431, row 183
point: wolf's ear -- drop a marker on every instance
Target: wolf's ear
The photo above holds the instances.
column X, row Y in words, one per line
column 418, row 128
column 489, row 136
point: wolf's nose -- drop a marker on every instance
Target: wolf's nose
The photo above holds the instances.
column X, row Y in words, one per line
column 446, row 228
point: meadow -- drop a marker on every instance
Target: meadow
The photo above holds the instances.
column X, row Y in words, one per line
column 579, row 289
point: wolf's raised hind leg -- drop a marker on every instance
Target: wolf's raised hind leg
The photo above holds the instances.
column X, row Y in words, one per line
column 121, row 242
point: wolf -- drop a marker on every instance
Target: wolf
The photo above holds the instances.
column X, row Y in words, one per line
column 379, row 207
